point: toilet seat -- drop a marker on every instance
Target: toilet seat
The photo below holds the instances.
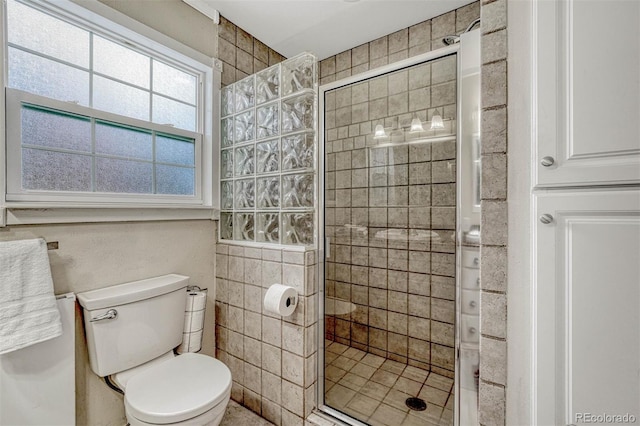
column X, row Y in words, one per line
column 178, row 389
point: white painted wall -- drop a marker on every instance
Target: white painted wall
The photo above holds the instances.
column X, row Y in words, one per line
column 97, row 255
column 173, row 18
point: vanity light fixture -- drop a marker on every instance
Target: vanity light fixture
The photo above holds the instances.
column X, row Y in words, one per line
column 436, row 121
column 416, row 125
column 379, row 132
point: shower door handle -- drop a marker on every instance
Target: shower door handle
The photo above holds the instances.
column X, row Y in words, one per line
column 327, row 247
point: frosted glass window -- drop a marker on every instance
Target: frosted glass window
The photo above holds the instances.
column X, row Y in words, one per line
column 43, row 33
column 177, row 114
column 41, row 76
column 174, row 83
column 52, row 129
column 175, row 180
column 55, row 171
column 175, row 151
column 118, row 98
column 102, row 156
column 125, row 81
column 123, row 176
column 121, row 62
column 114, row 139
column 95, row 109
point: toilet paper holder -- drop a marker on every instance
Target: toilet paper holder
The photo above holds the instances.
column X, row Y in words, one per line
column 281, row 300
column 291, row 301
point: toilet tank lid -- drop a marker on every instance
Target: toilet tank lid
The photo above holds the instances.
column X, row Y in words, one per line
column 131, row 292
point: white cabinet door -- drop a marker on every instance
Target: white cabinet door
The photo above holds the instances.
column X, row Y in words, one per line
column 586, row 306
column 587, row 90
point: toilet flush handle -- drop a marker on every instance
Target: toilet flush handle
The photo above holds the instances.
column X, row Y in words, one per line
column 110, row 314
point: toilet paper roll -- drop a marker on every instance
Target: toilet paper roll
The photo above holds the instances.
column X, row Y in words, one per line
column 191, row 342
column 193, row 321
column 281, row 299
column 196, row 300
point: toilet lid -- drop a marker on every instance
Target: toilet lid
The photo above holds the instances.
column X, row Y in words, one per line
column 178, row 389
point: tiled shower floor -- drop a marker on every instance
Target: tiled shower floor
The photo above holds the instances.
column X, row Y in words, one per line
column 373, row 389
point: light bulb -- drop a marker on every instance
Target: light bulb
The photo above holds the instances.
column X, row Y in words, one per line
column 436, row 121
column 416, row 125
column 379, row 132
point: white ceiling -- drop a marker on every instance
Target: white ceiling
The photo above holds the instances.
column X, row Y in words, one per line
column 327, row 27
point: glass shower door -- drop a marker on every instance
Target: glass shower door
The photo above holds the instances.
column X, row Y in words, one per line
column 390, row 191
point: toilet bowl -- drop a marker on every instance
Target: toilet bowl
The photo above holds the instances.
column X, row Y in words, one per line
column 131, row 331
column 188, row 389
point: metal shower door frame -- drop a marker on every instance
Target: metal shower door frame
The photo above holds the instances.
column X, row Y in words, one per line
column 321, row 241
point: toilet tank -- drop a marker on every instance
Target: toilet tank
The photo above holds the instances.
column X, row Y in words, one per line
column 149, row 322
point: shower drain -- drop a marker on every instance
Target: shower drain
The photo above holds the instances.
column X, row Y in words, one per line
column 416, row 404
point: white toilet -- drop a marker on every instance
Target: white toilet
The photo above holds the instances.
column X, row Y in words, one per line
column 131, row 330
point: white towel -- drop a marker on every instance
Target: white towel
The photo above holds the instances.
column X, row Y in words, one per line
column 28, row 309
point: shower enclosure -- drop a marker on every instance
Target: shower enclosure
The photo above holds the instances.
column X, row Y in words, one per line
column 398, row 161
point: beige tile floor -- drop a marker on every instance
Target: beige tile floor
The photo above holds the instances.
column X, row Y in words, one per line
column 373, row 389
column 237, row 415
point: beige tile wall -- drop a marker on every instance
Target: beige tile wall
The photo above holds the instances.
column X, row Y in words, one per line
column 410, row 292
column 493, row 266
column 273, row 360
column 241, row 53
column 409, row 42
column 390, row 212
column 420, row 38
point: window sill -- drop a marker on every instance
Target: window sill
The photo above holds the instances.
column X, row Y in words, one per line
column 51, row 214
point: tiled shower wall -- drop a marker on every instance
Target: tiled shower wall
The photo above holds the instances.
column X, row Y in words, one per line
column 493, row 266
column 241, row 53
column 390, row 213
column 272, row 359
column 411, row 41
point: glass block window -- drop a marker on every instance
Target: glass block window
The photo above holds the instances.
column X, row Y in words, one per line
column 97, row 112
column 268, row 135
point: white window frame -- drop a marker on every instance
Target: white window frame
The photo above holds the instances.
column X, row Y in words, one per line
column 26, row 207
